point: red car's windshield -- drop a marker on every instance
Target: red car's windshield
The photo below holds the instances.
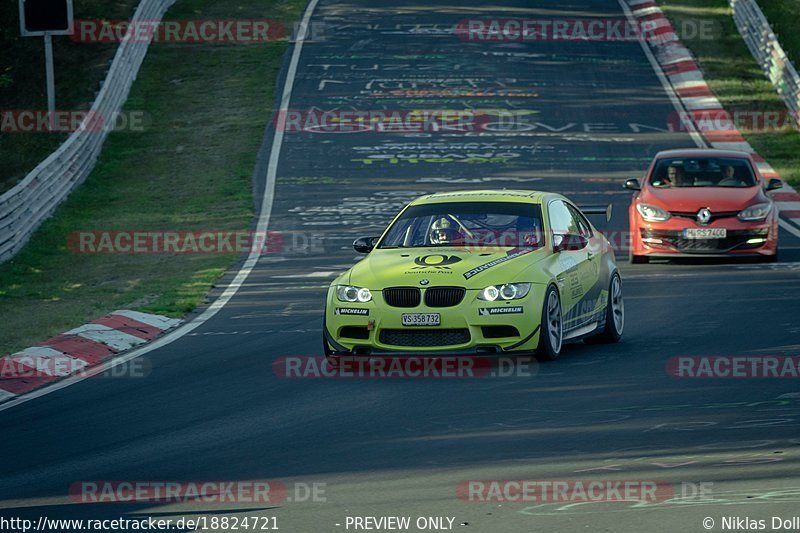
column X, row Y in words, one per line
column 702, row 172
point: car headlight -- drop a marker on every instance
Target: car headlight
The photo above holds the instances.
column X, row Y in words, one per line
column 509, row 291
column 755, row 212
column 348, row 293
column 652, row 213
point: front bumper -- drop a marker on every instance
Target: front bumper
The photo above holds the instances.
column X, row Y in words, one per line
column 471, row 327
column 668, row 239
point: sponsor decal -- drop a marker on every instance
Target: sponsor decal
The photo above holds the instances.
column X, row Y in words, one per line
column 436, row 261
column 351, row 311
column 486, row 311
column 486, row 266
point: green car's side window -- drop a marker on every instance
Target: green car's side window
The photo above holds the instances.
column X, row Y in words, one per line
column 584, row 228
column 561, row 220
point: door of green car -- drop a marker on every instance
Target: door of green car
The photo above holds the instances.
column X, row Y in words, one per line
column 590, row 275
column 577, row 272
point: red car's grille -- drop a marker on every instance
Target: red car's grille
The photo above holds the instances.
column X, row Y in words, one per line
column 714, row 216
column 735, row 240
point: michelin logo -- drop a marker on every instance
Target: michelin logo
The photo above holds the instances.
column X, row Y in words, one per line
column 351, row 311
column 486, row 311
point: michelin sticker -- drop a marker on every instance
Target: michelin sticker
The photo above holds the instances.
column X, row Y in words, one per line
column 351, row 311
column 486, row 311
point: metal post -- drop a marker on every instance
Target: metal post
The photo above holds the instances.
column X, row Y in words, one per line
column 51, row 84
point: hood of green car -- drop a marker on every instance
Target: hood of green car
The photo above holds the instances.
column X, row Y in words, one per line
column 460, row 267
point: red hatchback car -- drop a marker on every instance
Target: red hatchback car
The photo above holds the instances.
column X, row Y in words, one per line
column 703, row 203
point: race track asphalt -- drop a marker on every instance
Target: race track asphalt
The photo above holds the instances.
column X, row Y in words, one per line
column 589, row 115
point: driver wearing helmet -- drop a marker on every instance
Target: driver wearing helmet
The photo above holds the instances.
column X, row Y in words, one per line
column 444, row 232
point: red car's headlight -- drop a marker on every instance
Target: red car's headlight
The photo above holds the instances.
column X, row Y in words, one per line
column 755, row 212
column 652, row 213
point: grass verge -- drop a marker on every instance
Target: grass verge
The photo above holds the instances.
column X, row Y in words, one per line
column 784, row 17
column 79, row 69
column 190, row 170
column 736, row 79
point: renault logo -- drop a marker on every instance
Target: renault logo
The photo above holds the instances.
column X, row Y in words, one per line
column 703, row 216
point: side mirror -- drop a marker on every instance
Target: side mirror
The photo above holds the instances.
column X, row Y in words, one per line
column 569, row 242
column 364, row 245
column 633, row 184
column 774, row 184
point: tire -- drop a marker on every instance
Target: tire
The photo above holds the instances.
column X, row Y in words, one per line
column 551, row 334
column 615, row 315
column 770, row 258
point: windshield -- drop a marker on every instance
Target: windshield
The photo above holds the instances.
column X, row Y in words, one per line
column 703, row 172
column 489, row 224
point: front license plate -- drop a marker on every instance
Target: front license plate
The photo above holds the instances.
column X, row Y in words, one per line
column 705, row 233
column 421, row 319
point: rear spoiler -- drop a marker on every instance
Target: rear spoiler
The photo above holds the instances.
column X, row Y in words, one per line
column 597, row 210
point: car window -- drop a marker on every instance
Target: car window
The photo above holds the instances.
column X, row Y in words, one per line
column 702, row 172
column 584, row 228
column 561, row 219
column 490, row 224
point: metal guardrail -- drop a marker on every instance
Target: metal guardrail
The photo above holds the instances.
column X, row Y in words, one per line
column 764, row 46
column 33, row 200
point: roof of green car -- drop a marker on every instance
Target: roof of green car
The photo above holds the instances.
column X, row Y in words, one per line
column 489, row 195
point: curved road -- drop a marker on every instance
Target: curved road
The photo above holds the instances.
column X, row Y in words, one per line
column 588, row 115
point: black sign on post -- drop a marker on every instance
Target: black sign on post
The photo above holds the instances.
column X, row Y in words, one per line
column 39, row 17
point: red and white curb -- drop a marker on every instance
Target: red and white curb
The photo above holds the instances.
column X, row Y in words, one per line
column 78, row 350
column 702, row 107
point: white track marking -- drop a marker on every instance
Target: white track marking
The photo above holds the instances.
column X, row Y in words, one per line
column 5, row 395
column 116, row 339
column 321, row 274
column 695, row 103
column 788, row 227
column 157, row 321
column 676, row 102
column 39, row 356
column 250, row 262
column 736, row 147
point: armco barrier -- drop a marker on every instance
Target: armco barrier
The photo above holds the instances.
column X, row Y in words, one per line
column 33, row 200
column 764, row 46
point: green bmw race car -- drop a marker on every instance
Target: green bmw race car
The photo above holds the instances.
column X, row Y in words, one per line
column 477, row 272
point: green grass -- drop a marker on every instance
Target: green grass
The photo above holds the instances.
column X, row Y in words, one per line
column 79, row 69
column 190, row 170
column 784, row 17
column 735, row 77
